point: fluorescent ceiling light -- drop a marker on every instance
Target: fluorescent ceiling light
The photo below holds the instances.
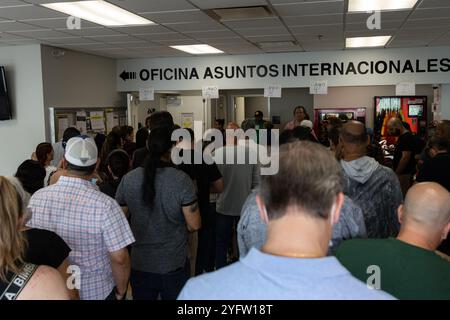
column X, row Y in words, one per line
column 379, row 5
column 100, row 12
column 361, row 42
column 198, row 49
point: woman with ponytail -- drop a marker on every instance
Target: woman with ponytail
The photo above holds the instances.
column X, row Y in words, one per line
column 162, row 204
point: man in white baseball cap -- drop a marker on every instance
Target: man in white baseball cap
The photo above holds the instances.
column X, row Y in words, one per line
column 90, row 222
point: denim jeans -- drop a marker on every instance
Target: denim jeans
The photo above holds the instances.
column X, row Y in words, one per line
column 224, row 233
column 148, row 286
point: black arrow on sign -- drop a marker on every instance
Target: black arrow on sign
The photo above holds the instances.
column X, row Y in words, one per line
column 127, row 75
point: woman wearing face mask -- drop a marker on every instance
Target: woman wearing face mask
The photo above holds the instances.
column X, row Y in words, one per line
column 38, row 282
column 300, row 114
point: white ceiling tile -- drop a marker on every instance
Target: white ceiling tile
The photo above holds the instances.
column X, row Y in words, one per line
column 162, row 36
column 407, row 43
column 206, row 34
column 310, row 8
column 431, row 13
column 255, row 23
column 214, row 4
column 17, row 26
column 70, row 40
column 182, row 42
column 153, row 5
column 357, row 17
column 195, row 26
column 287, row 37
column 10, row 3
column 29, row 12
column 96, row 31
column 177, row 16
column 262, row 31
column 41, row 34
column 424, row 23
column 142, row 29
column 57, row 23
column 283, row 49
column 332, row 28
column 434, row 4
column 313, row 20
column 114, row 38
column 385, row 25
column 9, row 37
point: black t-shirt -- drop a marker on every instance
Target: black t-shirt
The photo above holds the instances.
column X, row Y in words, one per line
column 203, row 175
column 437, row 170
column 406, row 142
column 45, row 248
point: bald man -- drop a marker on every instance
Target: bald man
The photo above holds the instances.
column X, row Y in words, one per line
column 404, row 154
column 373, row 187
column 409, row 266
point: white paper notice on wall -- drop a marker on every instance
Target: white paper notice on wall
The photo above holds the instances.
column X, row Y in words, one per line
column 318, row 87
column 146, row 94
column 210, row 92
column 272, row 91
column 405, row 89
column 81, row 121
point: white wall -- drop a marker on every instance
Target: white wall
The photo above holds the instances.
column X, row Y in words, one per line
column 79, row 80
column 20, row 136
column 189, row 104
column 240, row 110
column 359, row 97
column 445, row 101
column 253, row 104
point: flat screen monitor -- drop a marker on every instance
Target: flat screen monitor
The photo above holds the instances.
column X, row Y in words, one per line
column 5, row 105
column 415, row 110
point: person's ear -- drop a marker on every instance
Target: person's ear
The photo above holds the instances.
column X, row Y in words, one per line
column 262, row 209
column 336, row 209
column 64, row 163
column 400, row 213
column 446, row 231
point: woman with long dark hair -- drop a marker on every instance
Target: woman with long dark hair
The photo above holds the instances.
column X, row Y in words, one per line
column 162, row 204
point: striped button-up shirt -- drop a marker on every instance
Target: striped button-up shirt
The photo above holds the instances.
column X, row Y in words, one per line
column 90, row 222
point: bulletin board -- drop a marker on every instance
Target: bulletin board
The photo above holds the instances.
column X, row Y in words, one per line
column 89, row 121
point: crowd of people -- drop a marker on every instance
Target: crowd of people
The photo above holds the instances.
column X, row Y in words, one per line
column 112, row 217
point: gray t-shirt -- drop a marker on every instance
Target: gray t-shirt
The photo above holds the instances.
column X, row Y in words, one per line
column 160, row 232
column 252, row 231
column 239, row 179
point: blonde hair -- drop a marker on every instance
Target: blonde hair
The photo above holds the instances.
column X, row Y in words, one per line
column 12, row 242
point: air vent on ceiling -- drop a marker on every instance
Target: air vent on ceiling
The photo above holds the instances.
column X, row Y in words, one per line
column 241, row 13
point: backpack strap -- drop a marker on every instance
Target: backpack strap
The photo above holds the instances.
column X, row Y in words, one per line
column 18, row 282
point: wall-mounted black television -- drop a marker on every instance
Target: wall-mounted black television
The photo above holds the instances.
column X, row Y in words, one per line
column 5, row 103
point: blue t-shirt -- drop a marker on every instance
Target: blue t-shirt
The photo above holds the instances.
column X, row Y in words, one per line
column 260, row 276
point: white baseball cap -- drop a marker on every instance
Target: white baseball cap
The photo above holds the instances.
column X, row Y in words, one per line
column 306, row 123
column 81, row 151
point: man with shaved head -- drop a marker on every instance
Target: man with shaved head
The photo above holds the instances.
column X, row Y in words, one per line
column 373, row 187
column 409, row 266
column 404, row 161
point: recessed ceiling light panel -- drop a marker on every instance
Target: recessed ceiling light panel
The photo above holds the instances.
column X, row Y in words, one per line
column 100, row 12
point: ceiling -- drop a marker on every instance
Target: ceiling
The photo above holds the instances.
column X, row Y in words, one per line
column 312, row 25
